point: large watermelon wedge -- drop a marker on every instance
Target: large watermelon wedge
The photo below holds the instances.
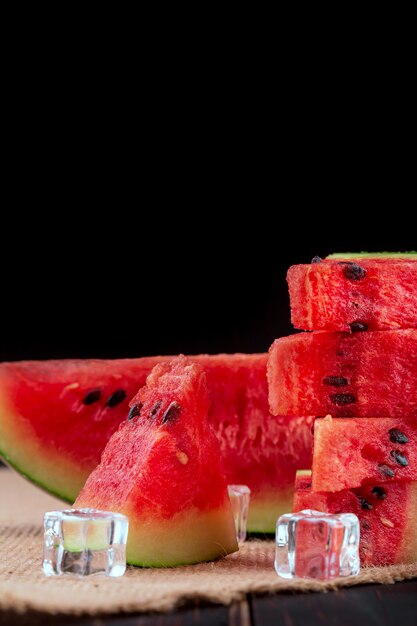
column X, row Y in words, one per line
column 365, row 291
column 362, row 374
column 57, row 416
column 162, row 469
column 352, row 452
column 386, row 512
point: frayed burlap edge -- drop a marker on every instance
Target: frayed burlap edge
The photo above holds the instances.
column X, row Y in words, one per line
column 23, row 587
column 26, row 599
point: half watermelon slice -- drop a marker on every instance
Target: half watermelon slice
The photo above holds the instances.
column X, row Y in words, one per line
column 57, row 416
column 362, row 374
column 162, row 469
column 386, row 512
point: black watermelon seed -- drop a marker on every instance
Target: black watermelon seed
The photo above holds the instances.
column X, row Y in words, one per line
column 316, row 259
column 342, row 398
column 399, row 457
column 358, row 327
column 365, row 525
column 116, row 398
column 335, row 381
column 155, row 408
column 134, row 411
column 379, row 492
column 171, row 413
column 353, row 271
column 387, row 471
column 340, row 353
column 92, row 396
column 365, row 505
column 397, row 436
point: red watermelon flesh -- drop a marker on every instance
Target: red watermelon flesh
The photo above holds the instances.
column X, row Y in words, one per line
column 360, row 293
column 162, row 469
column 386, row 512
column 50, row 434
column 258, row 450
column 352, row 452
column 370, row 374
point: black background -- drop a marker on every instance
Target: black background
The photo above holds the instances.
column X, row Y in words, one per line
column 153, row 205
column 161, row 281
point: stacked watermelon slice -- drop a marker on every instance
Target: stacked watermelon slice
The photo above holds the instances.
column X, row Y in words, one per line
column 358, row 364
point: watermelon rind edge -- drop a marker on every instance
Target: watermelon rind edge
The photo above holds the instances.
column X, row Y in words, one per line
column 4, row 457
column 372, row 255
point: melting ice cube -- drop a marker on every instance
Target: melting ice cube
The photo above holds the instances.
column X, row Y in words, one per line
column 311, row 544
column 239, row 498
column 84, row 542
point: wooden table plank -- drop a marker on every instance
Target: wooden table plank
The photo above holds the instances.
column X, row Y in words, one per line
column 372, row 605
column 240, row 614
column 205, row 615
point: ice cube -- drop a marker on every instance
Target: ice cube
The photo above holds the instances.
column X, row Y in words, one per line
column 239, row 498
column 311, row 544
column 84, row 542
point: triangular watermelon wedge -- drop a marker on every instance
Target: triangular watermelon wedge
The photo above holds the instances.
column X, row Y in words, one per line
column 162, row 469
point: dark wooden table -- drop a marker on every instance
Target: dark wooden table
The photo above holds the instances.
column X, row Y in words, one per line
column 369, row 605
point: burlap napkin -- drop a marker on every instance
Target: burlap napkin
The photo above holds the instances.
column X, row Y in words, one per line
column 24, row 587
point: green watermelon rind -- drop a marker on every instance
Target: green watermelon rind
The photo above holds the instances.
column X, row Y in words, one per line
column 303, row 473
column 179, row 563
column 257, row 528
column 373, row 255
column 4, row 457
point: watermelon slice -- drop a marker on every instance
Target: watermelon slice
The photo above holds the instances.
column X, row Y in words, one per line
column 162, row 469
column 356, row 451
column 386, row 512
column 366, row 292
column 57, row 416
column 361, row 374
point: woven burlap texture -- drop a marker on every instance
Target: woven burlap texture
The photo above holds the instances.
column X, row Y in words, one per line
column 24, row 587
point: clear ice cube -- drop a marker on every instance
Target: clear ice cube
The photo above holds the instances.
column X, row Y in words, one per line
column 239, row 498
column 311, row 544
column 83, row 542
